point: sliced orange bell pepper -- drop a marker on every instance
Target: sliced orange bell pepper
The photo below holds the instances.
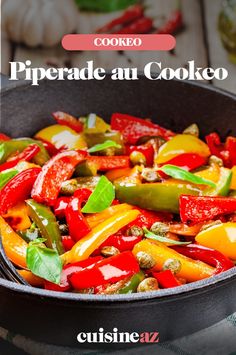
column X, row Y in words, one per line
column 32, row 279
column 184, row 229
column 221, row 237
column 96, row 218
column 233, row 181
column 86, row 246
column 15, row 247
column 191, row 270
column 180, row 144
column 115, row 174
column 17, row 217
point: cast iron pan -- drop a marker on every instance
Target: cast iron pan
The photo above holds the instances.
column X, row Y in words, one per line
column 58, row 317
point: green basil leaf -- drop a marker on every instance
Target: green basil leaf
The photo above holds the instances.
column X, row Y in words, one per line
column 44, row 262
column 101, row 198
column 162, row 239
column 102, row 146
column 6, row 176
column 181, row 174
column 104, row 5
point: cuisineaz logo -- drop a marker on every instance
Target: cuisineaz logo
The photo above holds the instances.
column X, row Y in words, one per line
column 118, row 337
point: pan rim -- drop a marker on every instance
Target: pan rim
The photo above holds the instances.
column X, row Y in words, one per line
column 183, row 290
column 193, row 287
column 205, row 86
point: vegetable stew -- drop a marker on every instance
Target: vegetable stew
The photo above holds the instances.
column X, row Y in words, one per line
column 92, row 207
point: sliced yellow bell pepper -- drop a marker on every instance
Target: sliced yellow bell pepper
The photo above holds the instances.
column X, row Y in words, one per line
column 212, row 173
column 233, row 181
column 96, row 218
column 15, row 247
column 95, row 124
column 191, row 270
column 86, row 246
column 19, row 216
column 180, row 144
column 221, row 237
column 32, row 279
column 62, row 136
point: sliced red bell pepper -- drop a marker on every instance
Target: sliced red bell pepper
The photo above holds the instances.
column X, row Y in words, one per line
column 17, row 189
column 77, row 223
column 65, row 119
column 67, row 242
column 147, row 218
column 125, row 242
column 27, row 154
column 121, row 242
column 209, row 256
column 60, row 206
column 132, row 128
column 51, row 149
column 187, row 161
column 231, row 147
column 4, row 137
column 105, row 163
column 57, row 170
column 147, row 150
column 67, row 271
column 166, row 279
column 195, row 209
column 226, row 151
column 109, row 270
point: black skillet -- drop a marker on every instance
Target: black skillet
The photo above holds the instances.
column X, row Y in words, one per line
column 58, row 318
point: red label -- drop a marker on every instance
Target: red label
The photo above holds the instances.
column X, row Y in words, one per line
column 94, row 42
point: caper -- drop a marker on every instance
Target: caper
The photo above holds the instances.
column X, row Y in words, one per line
column 150, row 175
column 137, row 158
column 136, row 231
column 157, row 139
column 108, row 152
column 145, row 260
column 109, row 251
column 193, row 130
column 232, row 193
column 112, row 289
column 69, row 187
column 149, row 284
column 173, row 265
column 160, row 228
column 215, row 160
column 64, row 229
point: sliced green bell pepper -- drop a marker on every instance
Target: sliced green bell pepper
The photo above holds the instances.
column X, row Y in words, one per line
column 162, row 196
column 132, row 285
column 87, row 168
column 9, row 147
column 7, row 175
column 45, row 220
column 223, row 186
column 97, row 138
